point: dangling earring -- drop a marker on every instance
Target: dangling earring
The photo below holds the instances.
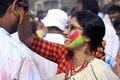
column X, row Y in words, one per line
column 86, row 51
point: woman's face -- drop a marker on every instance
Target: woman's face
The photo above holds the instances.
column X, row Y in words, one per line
column 73, row 34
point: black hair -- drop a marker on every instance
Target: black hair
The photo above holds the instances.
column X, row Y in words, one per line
column 116, row 23
column 93, row 26
column 113, row 9
column 41, row 14
column 64, row 8
column 105, row 8
column 4, row 4
column 91, row 5
column 54, row 28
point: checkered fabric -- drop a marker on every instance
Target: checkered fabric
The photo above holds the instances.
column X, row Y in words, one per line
column 52, row 51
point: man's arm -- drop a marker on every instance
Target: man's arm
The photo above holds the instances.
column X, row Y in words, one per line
column 25, row 31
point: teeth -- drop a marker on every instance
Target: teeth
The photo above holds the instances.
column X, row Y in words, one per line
column 67, row 39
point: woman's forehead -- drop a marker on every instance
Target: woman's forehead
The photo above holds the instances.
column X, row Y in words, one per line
column 73, row 19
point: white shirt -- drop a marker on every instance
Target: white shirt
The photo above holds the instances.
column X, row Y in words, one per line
column 97, row 68
column 16, row 60
column 56, row 38
column 48, row 68
column 112, row 40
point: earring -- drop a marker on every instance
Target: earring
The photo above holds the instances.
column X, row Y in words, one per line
column 86, row 51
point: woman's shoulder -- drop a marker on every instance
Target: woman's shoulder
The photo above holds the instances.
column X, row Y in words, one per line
column 102, row 70
column 98, row 63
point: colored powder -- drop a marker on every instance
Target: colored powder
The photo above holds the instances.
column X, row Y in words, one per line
column 22, row 14
column 76, row 39
column 40, row 33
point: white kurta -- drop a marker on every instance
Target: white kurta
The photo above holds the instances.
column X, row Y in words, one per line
column 112, row 40
column 96, row 70
column 48, row 68
column 16, row 60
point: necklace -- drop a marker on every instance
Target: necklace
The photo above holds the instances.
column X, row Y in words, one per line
column 72, row 70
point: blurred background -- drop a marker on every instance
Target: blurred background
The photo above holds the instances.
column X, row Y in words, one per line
column 39, row 6
column 36, row 5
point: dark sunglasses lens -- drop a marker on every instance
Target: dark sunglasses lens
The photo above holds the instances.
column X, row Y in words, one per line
column 70, row 28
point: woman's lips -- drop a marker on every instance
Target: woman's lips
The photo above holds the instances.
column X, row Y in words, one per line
column 66, row 40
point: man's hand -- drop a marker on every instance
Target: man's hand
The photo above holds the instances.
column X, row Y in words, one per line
column 116, row 69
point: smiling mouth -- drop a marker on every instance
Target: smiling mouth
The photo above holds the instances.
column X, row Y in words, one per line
column 66, row 39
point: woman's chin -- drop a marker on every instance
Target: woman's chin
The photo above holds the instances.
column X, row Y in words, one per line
column 65, row 45
column 68, row 46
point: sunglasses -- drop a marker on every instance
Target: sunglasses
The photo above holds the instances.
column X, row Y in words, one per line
column 71, row 27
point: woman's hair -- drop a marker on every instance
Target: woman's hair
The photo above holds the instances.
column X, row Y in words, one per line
column 93, row 26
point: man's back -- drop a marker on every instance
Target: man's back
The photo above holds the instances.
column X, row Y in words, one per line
column 15, row 56
column 16, row 60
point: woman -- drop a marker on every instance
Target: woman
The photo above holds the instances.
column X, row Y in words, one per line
column 84, row 66
column 77, row 58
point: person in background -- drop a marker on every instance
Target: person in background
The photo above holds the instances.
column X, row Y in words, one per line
column 87, row 5
column 66, row 9
column 112, row 40
column 37, row 28
column 116, row 25
column 55, row 21
column 114, row 12
column 16, row 60
column 81, row 56
column 41, row 14
column 104, row 9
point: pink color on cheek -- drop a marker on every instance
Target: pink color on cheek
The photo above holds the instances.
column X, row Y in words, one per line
column 76, row 39
column 74, row 36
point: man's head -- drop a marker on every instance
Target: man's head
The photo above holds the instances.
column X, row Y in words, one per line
column 4, row 4
column 89, row 5
column 114, row 12
column 56, row 18
column 116, row 25
column 11, row 13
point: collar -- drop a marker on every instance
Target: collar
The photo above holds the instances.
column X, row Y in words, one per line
column 3, row 31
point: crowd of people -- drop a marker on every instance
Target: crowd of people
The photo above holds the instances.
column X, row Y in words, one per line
column 63, row 44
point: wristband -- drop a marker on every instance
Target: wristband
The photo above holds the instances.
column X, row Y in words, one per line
column 40, row 33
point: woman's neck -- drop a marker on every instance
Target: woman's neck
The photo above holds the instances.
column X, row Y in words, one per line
column 80, row 56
